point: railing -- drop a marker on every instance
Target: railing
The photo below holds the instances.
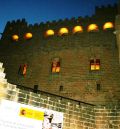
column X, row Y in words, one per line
column 35, row 90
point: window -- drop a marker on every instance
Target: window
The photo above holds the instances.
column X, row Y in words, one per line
column 35, row 88
column 56, row 65
column 63, row 31
column 77, row 29
column 92, row 27
column 15, row 37
column 49, row 33
column 22, row 70
column 28, row 36
column 61, row 88
column 95, row 64
column 108, row 25
column 98, row 87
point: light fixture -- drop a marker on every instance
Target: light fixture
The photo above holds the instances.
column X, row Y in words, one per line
column 28, row 35
column 63, row 31
column 77, row 29
column 92, row 27
column 15, row 37
column 49, row 33
column 108, row 25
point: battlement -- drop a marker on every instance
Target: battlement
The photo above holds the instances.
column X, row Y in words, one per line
column 99, row 11
column 104, row 11
column 19, row 21
column 20, row 27
column 102, row 14
column 84, row 50
column 107, row 8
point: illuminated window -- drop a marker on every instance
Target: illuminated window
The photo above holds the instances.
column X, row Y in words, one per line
column 108, row 25
column 77, row 29
column 28, row 36
column 63, row 31
column 15, row 37
column 92, row 66
column 95, row 64
column 22, row 70
column 49, row 33
column 92, row 27
column 56, row 65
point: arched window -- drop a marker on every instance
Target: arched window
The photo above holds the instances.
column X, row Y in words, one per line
column 55, row 65
column 77, row 29
column 108, row 25
column 28, row 36
column 22, row 70
column 15, row 37
column 49, row 33
column 63, row 31
column 92, row 27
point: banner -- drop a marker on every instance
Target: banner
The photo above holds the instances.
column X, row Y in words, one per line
column 14, row 115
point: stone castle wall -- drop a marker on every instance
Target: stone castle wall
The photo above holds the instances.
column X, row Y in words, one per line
column 102, row 14
column 74, row 51
column 77, row 115
column 117, row 32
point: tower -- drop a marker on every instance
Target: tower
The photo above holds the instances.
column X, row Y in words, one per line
column 79, row 56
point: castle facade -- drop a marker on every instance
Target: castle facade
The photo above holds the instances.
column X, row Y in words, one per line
column 76, row 58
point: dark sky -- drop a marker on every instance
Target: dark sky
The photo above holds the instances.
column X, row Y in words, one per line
column 36, row 11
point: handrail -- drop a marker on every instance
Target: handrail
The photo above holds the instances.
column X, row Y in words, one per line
column 39, row 91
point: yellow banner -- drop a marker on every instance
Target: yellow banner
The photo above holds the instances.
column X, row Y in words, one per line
column 30, row 113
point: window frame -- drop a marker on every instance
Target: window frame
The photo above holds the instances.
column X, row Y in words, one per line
column 95, row 64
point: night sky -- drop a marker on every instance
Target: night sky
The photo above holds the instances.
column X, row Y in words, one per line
column 36, row 11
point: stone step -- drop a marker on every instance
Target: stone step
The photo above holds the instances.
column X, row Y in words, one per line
column 11, row 86
column 2, row 75
column 2, row 80
column 1, row 70
column 1, row 65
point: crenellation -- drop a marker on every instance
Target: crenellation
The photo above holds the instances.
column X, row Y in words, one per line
column 42, row 27
column 75, row 50
column 107, row 7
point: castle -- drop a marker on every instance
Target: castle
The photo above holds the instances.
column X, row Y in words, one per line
column 77, row 58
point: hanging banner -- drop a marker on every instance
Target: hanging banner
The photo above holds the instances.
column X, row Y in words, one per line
column 14, row 115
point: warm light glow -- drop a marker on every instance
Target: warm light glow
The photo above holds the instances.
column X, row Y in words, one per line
column 92, row 67
column 53, row 69
column 63, row 31
column 77, row 29
column 28, row 35
column 49, row 33
column 57, row 69
column 95, row 64
column 97, row 67
column 92, row 27
column 15, row 37
column 24, row 69
column 108, row 25
column 56, row 65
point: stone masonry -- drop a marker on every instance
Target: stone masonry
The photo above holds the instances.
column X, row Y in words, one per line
column 77, row 115
column 74, row 51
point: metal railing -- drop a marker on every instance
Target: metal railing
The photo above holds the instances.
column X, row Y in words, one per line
column 35, row 90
